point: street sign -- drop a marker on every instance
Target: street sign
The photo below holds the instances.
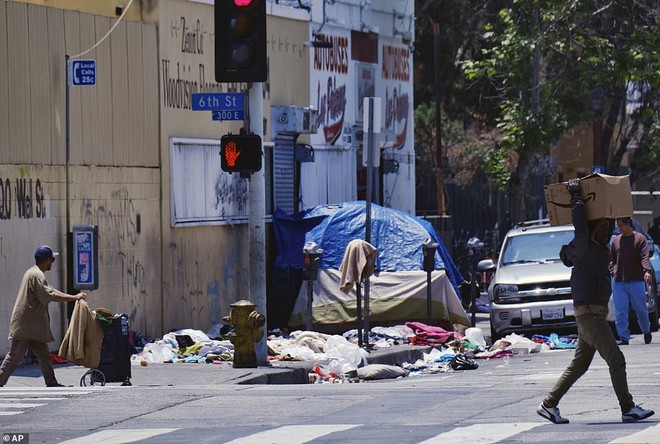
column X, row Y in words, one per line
column 218, row 101
column 82, row 72
column 238, row 114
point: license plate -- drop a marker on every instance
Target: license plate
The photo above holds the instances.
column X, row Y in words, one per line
column 552, row 313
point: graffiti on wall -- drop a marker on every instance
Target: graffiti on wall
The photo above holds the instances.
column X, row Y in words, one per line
column 119, row 220
column 119, row 226
column 198, row 301
column 231, row 195
column 22, row 199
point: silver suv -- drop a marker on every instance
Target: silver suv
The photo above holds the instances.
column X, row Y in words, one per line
column 531, row 288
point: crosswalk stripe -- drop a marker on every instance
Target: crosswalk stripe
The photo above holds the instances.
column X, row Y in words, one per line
column 19, row 405
column 119, row 436
column 650, row 435
column 12, row 398
column 482, row 433
column 294, row 434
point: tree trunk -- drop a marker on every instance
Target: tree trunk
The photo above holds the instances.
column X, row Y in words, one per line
column 440, row 189
column 517, row 191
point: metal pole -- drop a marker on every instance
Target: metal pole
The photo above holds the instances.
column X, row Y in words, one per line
column 428, row 298
column 310, row 296
column 473, row 294
column 68, row 145
column 358, row 290
column 370, row 163
column 257, row 218
column 67, row 194
column 440, row 185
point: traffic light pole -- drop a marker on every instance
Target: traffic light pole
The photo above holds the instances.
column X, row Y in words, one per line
column 257, row 219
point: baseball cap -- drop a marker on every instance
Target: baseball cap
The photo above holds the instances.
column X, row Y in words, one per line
column 44, row 252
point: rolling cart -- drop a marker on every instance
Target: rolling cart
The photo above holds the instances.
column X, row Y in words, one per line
column 115, row 363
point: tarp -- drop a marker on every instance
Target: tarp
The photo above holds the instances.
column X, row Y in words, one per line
column 394, row 297
column 397, row 235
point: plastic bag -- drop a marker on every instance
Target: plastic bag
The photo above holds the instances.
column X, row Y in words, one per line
column 338, row 347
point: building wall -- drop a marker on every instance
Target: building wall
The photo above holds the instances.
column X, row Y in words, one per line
column 116, row 171
column 369, row 57
column 205, row 267
column 112, row 177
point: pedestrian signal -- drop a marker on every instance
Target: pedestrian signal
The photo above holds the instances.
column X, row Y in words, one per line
column 240, row 153
column 240, row 41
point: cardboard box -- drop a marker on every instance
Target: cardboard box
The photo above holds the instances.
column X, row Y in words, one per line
column 604, row 196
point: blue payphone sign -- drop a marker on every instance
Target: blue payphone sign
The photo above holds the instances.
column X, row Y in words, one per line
column 85, row 257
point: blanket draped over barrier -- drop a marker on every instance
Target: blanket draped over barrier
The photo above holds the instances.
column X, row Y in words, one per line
column 396, row 297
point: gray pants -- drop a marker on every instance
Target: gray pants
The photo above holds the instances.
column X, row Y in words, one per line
column 594, row 334
column 15, row 358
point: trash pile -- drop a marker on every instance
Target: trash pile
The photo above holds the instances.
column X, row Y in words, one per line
column 338, row 358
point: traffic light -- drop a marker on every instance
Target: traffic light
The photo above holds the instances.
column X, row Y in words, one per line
column 240, row 41
column 240, row 153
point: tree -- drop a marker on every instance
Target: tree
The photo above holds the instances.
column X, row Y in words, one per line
column 532, row 69
column 546, row 61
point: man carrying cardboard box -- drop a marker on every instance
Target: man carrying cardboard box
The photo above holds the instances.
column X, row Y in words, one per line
column 588, row 254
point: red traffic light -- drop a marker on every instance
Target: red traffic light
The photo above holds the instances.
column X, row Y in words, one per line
column 240, row 153
column 240, row 41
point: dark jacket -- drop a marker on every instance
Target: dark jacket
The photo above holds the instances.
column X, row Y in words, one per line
column 590, row 278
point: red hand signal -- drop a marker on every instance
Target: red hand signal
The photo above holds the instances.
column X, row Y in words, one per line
column 231, row 153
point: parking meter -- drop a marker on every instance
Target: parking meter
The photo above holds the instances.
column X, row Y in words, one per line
column 311, row 258
column 475, row 247
column 428, row 248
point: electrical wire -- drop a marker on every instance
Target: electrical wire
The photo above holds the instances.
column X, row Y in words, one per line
column 107, row 34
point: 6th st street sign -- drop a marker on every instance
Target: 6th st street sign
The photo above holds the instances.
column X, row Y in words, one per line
column 224, row 106
column 218, row 102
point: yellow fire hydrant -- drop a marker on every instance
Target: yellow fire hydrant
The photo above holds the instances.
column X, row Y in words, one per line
column 246, row 331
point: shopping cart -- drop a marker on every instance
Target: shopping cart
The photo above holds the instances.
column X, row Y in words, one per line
column 116, row 350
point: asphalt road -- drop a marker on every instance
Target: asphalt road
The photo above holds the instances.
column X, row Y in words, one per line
column 494, row 403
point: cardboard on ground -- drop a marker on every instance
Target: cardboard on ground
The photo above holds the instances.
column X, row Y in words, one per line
column 604, row 196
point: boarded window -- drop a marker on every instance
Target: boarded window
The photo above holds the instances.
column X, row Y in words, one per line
column 203, row 194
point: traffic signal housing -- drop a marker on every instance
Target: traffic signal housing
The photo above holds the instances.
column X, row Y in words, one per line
column 240, row 153
column 240, row 41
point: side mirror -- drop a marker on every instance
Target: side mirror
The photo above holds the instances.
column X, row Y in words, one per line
column 486, row 265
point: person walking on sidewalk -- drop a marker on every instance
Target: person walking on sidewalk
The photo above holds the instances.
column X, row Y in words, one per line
column 588, row 254
column 630, row 268
column 29, row 327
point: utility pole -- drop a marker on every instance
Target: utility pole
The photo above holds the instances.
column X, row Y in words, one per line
column 439, row 162
column 257, row 218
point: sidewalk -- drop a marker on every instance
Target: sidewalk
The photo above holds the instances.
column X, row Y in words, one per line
column 197, row 374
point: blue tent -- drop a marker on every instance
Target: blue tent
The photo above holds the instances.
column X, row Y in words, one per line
column 398, row 236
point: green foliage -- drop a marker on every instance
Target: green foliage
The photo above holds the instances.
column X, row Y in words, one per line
column 583, row 46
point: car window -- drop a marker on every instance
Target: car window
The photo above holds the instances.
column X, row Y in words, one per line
column 535, row 247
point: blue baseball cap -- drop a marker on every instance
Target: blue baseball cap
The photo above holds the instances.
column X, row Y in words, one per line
column 44, row 252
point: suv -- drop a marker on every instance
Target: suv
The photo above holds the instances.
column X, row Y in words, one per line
column 531, row 287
